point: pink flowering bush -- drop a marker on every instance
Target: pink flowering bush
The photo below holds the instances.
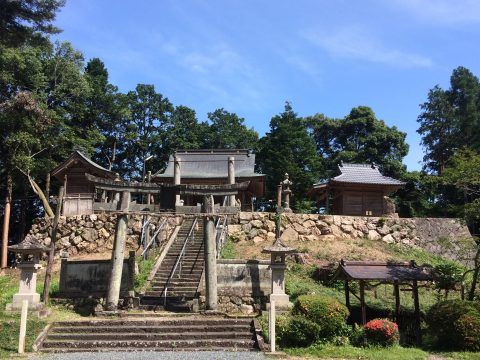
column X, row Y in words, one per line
column 381, row 332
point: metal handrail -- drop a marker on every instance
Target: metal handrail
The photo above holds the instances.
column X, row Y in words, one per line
column 179, row 258
column 160, row 227
column 146, row 223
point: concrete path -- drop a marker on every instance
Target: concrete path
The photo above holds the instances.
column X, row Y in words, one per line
column 164, row 355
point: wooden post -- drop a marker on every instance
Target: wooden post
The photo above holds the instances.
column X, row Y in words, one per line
column 149, row 180
column 177, row 177
column 23, row 327
column 396, row 290
column 362, row 302
column 6, row 223
column 118, row 254
column 271, row 326
column 231, row 178
column 347, row 294
column 416, row 304
column 51, row 253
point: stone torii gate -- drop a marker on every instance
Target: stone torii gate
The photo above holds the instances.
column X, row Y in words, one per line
column 208, row 214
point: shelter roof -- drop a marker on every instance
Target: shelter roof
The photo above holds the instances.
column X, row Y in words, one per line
column 211, row 164
column 384, row 271
column 76, row 157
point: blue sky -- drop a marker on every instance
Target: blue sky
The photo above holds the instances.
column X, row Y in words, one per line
column 249, row 57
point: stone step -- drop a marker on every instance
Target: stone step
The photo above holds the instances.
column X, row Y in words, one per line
column 155, row 284
column 150, row 329
column 158, row 344
column 156, row 322
column 173, row 289
column 171, row 293
column 124, row 336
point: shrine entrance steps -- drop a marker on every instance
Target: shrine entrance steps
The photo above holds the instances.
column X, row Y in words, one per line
column 151, row 334
column 177, row 292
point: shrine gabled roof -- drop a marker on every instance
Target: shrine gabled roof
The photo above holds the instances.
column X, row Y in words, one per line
column 211, row 164
column 76, row 156
column 362, row 174
column 383, row 271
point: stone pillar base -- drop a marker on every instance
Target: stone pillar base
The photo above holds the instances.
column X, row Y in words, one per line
column 282, row 302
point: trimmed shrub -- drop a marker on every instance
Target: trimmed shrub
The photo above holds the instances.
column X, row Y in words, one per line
column 381, row 332
column 443, row 319
column 468, row 329
column 325, row 311
column 301, row 332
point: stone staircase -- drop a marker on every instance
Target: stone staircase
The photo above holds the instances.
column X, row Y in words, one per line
column 166, row 334
column 183, row 285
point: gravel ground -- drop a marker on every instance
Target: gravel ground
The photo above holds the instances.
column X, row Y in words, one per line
column 164, row 355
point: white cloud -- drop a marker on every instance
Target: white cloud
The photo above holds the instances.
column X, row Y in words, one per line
column 442, row 11
column 355, row 43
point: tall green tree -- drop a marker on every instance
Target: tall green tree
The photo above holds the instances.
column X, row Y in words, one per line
column 228, row 131
column 28, row 21
column 107, row 108
column 288, row 148
column 185, row 132
column 145, row 130
column 450, row 119
column 359, row 138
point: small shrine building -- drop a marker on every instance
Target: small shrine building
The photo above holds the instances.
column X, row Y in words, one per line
column 359, row 190
column 79, row 192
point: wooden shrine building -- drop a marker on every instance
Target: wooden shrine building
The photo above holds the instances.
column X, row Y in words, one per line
column 359, row 190
column 79, row 191
column 211, row 167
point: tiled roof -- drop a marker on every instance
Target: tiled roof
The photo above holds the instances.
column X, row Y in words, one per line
column 363, row 174
column 211, row 164
column 77, row 155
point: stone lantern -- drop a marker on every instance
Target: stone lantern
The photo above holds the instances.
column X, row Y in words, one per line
column 278, row 251
column 29, row 250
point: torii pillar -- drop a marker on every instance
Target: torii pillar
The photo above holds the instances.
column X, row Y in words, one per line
column 210, row 250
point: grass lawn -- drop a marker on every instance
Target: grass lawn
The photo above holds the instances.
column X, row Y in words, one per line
column 10, row 322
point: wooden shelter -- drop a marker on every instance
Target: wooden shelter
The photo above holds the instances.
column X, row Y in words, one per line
column 211, row 167
column 79, row 191
column 397, row 273
column 359, row 190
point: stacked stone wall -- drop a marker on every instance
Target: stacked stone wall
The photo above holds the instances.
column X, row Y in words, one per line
column 90, row 234
column 441, row 236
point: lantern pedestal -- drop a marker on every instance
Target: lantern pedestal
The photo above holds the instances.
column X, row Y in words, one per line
column 29, row 250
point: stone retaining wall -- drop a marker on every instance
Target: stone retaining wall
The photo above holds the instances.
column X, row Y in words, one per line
column 243, row 285
column 441, row 236
column 88, row 234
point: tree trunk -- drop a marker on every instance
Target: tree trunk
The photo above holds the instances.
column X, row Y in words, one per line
column 41, row 195
column 47, row 186
column 51, row 254
column 475, row 276
column 6, row 219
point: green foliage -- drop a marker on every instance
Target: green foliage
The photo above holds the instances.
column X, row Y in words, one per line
column 381, row 332
column 28, row 21
column 442, row 320
column 304, row 206
column 449, row 119
column 228, row 131
column 468, row 328
column 360, row 138
column 228, row 250
column 300, row 332
column 144, row 268
column 448, row 274
column 288, row 148
column 325, row 311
